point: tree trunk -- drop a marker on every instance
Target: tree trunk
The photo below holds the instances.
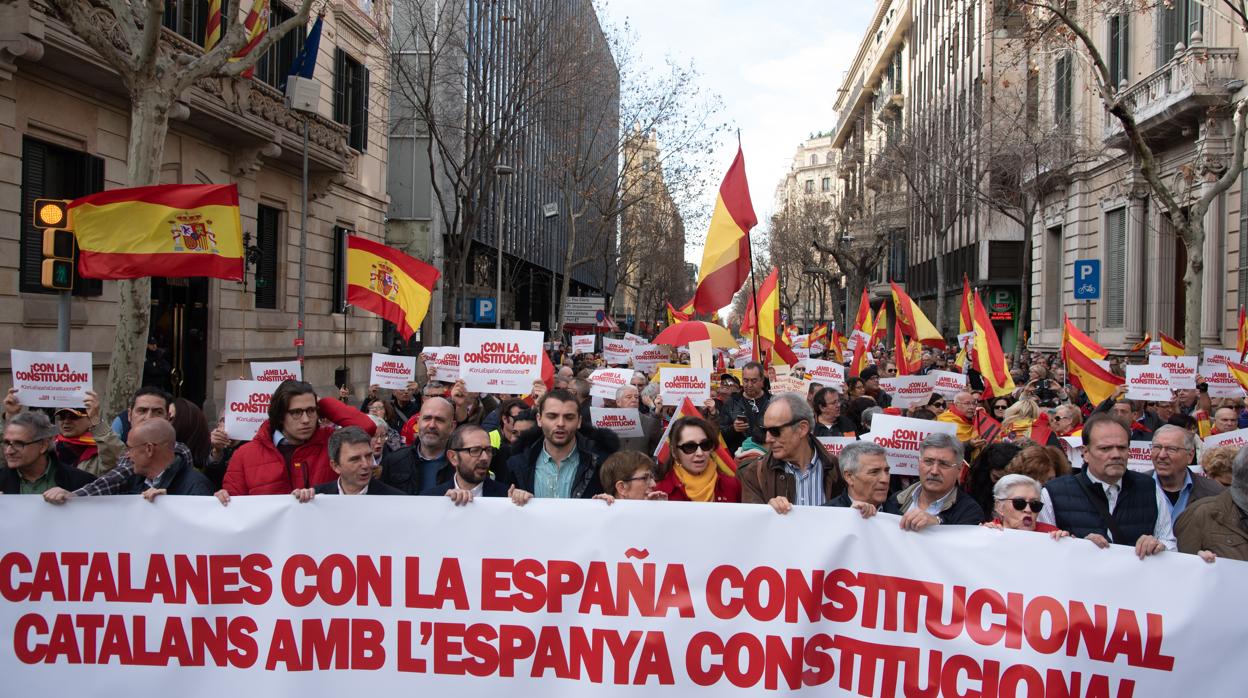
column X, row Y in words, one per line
column 940, row 285
column 1194, row 282
column 566, row 287
column 1024, row 296
column 149, row 125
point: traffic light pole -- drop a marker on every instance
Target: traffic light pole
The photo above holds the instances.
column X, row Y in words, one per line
column 62, row 321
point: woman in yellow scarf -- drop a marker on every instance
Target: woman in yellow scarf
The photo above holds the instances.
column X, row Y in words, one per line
column 694, row 473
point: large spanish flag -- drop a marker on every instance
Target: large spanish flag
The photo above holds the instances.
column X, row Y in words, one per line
column 726, row 256
column 989, row 359
column 1074, row 339
column 1239, row 372
column 166, row 230
column 389, row 283
column 1241, row 334
column 965, row 324
column 1086, row 374
column 912, row 321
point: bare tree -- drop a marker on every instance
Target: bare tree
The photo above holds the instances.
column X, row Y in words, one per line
column 1186, row 198
column 156, row 73
column 856, row 237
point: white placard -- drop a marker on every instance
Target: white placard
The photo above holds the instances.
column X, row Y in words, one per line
column 676, row 384
column 1149, row 383
column 634, row 339
column 1182, row 370
column 1220, row 356
column 1140, row 458
column 246, row 407
column 499, row 361
column 446, row 368
column 836, row 444
column 583, row 344
column 829, row 374
column 789, row 383
column 646, row 357
column 51, row 378
column 606, row 382
column 624, row 421
column 394, row 372
column 1072, row 446
column 1221, row 383
column 1237, row 438
column 276, row 371
column 948, row 384
column 900, row 436
column 908, row 391
column 1154, row 349
column 617, row 352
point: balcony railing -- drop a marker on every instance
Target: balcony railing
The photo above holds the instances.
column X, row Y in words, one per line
column 1197, row 78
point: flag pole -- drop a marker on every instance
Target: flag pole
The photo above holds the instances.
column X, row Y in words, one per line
column 755, row 352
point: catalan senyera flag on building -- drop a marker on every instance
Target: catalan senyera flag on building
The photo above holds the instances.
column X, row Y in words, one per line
column 389, row 283
column 989, row 359
column 726, row 255
column 912, row 321
column 212, row 27
column 1171, row 346
column 257, row 25
column 164, row 230
column 1074, row 339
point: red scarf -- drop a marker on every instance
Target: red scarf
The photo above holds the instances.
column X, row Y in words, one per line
column 82, row 447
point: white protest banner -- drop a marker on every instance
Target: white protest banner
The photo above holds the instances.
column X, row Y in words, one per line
column 836, row 444
column 1221, row 383
column 646, row 357
column 246, row 407
column 829, row 374
column 908, row 391
column 1149, row 383
column 900, row 436
column 583, row 344
column 948, row 384
column 1181, row 369
column 676, row 384
column 634, row 339
column 605, row 382
column 499, row 361
column 51, row 378
column 565, row 598
column 966, row 341
column 446, row 368
column 624, row 421
column 1140, row 458
column 616, row 352
column 789, row 383
column 801, row 351
column 1220, row 356
column 1071, row 447
column 1237, row 438
column 389, row 371
column 276, row 371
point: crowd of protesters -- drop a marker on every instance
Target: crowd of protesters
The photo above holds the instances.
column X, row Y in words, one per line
column 1007, row 467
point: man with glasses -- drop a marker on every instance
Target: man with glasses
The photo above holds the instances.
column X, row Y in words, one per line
column 742, row 416
column 31, row 465
column 84, row 440
column 798, row 470
column 1173, row 451
column 470, row 453
column 1107, row 503
column 935, row 499
column 354, row 464
column 158, row 469
column 962, row 414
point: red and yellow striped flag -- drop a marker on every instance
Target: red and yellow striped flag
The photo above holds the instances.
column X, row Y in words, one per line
column 913, row 322
column 879, row 329
column 1239, row 372
column 389, row 283
column 257, row 25
column 1087, row 375
column 989, row 359
column 1241, row 334
column 212, row 28
column 726, row 255
column 964, row 322
column 1171, row 346
column 165, row 230
column 1074, row 339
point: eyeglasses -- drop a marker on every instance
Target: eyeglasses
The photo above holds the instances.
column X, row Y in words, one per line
column 944, row 464
column 15, row 444
column 999, row 407
column 1021, row 503
column 777, row 430
column 691, row 447
column 1170, row 449
column 475, row 451
column 300, row 413
column 940, row 405
column 648, row 477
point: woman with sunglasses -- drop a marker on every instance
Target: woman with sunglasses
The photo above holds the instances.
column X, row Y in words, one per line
column 692, row 475
column 1018, row 505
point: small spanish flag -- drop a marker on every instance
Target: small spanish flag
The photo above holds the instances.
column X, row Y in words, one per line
column 1074, row 339
column 1171, row 346
column 1142, row 344
column 1241, row 334
column 1239, row 372
column 389, row 283
column 166, row 230
column 912, row 321
column 1087, row 375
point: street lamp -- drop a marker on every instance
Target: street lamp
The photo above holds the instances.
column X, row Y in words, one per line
column 500, row 171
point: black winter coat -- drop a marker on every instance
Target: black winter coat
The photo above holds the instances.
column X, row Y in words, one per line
column 591, row 451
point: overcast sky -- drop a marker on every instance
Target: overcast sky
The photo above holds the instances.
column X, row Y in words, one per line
column 776, row 65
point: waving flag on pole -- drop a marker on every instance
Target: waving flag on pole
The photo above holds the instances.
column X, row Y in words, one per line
column 965, row 323
column 1171, row 346
column 862, row 322
column 989, row 359
column 879, row 329
column 1143, row 343
column 913, row 322
column 1074, row 339
column 1241, row 335
column 387, row 282
column 726, row 255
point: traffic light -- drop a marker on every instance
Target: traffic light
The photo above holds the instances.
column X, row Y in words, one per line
column 60, row 249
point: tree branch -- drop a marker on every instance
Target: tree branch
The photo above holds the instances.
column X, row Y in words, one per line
column 145, row 59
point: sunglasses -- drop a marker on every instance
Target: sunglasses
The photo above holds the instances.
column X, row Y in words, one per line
column 941, row 405
column 691, row 447
column 999, row 407
column 1021, row 503
column 777, row 430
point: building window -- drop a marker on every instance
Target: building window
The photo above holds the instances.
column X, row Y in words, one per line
column 339, row 299
column 1052, row 272
column 1175, row 26
column 274, row 65
column 188, row 18
column 810, row 186
column 1063, row 93
column 1115, row 267
column 351, row 98
column 826, row 184
column 1119, row 49
column 59, row 173
column 814, row 159
column 268, row 238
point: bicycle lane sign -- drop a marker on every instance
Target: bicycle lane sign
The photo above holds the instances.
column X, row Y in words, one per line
column 1087, row 279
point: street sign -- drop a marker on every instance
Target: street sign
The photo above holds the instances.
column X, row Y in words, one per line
column 483, row 310
column 582, row 310
column 1087, row 279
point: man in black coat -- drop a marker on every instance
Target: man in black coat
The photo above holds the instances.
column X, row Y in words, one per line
column 561, row 463
column 351, row 456
column 935, row 499
column 157, row 468
column 470, row 452
column 31, row 465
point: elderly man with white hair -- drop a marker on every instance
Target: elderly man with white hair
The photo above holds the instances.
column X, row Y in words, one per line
column 628, row 397
column 1018, row 501
column 935, row 498
column 1174, row 448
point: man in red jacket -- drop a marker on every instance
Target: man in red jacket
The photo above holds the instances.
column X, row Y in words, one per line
column 290, row 451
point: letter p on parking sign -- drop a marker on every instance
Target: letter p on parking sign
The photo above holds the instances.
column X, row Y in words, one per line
column 1087, row 279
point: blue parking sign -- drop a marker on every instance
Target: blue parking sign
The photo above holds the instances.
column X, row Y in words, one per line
column 1087, row 279
column 482, row 310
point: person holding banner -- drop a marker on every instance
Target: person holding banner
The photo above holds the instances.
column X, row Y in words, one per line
column 561, row 464
column 798, row 469
column 865, row 467
column 470, row 453
column 1218, row 526
column 935, row 499
column 158, row 469
column 31, row 465
column 629, row 475
column 693, row 475
column 351, row 456
column 1017, row 501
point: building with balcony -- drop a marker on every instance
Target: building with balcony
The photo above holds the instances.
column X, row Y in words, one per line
column 1179, row 70
column 66, row 119
column 805, row 206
